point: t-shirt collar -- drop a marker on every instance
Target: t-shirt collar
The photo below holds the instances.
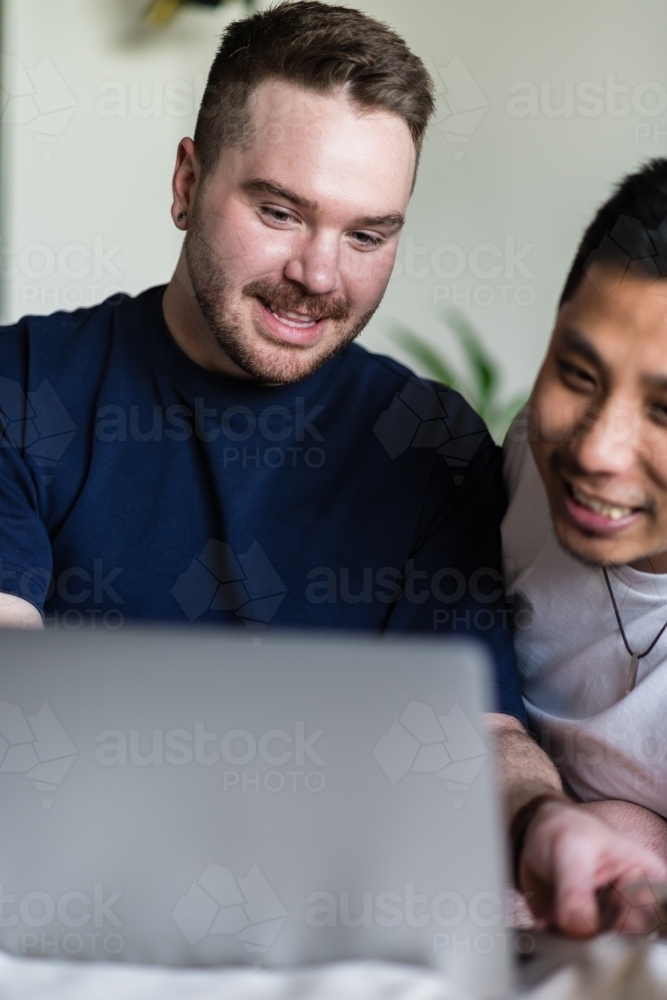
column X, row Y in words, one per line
column 649, row 584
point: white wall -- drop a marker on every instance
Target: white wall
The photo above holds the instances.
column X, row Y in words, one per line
column 102, row 182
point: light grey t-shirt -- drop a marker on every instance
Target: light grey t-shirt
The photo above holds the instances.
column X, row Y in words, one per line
column 572, row 660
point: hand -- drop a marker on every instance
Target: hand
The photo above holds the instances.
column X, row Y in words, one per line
column 633, row 821
column 569, row 856
column 17, row 613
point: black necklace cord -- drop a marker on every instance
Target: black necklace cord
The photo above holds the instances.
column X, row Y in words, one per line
column 640, row 656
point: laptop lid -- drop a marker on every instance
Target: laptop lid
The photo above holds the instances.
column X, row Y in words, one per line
column 191, row 796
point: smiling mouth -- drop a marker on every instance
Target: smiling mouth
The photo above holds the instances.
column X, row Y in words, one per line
column 300, row 321
column 615, row 512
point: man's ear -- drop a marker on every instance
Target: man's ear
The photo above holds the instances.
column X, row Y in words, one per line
column 184, row 183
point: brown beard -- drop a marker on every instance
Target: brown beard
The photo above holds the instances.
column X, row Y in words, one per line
column 283, row 363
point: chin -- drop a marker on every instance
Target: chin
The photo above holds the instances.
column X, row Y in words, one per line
column 281, row 366
column 596, row 551
column 271, row 361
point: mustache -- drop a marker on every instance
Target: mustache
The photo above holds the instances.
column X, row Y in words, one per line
column 290, row 298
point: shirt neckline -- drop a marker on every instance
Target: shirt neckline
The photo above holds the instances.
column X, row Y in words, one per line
column 650, row 584
column 222, row 389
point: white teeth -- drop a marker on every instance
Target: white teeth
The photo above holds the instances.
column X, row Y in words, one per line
column 294, row 319
column 612, row 511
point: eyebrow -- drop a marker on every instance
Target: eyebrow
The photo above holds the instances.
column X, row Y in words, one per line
column 655, row 382
column 576, row 341
column 394, row 219
column 261, row 186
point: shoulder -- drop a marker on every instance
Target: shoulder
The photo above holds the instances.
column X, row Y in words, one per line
column 45, row 345
column 435, row 410
column 61, row 323
column 528, row 519
column 517, row 457
column 522, row 478
column 362, row 360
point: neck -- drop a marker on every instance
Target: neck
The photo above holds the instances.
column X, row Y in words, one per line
column 190, row 330
column 651, row 564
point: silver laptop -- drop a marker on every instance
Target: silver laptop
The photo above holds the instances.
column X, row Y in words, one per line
column 209, row 797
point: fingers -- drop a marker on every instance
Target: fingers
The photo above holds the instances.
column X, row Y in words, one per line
column 576, row 865
column 570, row 856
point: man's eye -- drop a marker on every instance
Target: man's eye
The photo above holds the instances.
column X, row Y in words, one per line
column 367, row 240
column 275, row 214
column 574, row 375
column 658, row 412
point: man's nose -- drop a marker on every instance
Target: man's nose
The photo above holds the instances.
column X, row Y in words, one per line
column 315, row 264
column 607, row 439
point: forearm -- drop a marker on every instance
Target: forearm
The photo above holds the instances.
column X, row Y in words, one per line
column 568, row 852
column 635, row 822
column 523, row 770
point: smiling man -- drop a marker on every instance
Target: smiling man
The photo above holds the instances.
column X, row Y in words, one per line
column 218, row 449
column 206, row 451
column 585, row 536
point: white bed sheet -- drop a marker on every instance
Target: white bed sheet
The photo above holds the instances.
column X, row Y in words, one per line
column 43, row 979
column 607, row 970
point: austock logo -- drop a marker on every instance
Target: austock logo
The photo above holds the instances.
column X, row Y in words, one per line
column 36, row 98
column 35, row 745
column 36, row 423
column 217, row 903
column 446, row 745
column 630, row 248
column 460, row 104
column 217, row 580
column 46, row 925
column 418, row 418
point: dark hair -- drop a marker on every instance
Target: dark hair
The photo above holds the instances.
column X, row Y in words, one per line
column 629, row 232
column 314, row 45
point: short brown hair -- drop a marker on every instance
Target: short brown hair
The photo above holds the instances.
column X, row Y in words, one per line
column 314, row 45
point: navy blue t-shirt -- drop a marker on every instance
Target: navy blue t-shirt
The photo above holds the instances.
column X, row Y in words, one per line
column 135, row 484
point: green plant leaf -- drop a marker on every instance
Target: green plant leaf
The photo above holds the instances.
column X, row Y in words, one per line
column 483, row 368
column 482, row 389
column 427, row 356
